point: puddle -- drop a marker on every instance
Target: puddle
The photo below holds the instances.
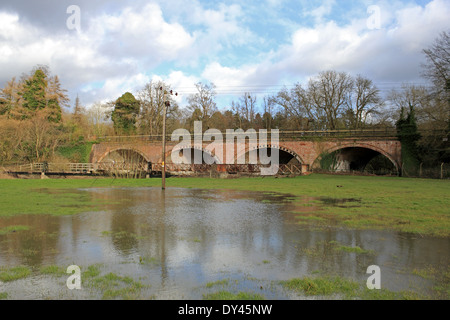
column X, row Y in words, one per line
column 186, row 243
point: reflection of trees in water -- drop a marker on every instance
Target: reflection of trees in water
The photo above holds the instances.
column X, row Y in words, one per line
column 125, row 163
column 124, row 222
column 32, row 246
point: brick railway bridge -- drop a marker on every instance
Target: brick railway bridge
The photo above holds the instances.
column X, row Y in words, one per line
column 299, row 152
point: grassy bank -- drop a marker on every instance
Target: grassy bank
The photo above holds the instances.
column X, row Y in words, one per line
column 410, row 205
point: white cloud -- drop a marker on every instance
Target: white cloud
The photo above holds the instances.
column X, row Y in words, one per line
column 225, row 76
column 221, row 43
column 323, row 10
column 141, row 33
column 393, row 52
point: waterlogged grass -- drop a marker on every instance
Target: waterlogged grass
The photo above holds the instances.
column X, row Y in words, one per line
column 327, row 248
column 441, row 279
column 120, row 235
column 53, row 270
column 15, row 273
column 328, row 286
column 149, row 261
column 322, row 286
column 114, row 286
column 12, row 229
column 227, row 295
column 417, row 206
column 111, row 286
column 357, row 250
column 223, row 282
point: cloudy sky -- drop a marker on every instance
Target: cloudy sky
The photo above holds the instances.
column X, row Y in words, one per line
column 255, row 46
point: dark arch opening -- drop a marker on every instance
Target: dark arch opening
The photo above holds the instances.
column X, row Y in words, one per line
column 358, row 159
column 190, row 155
column 126, row 163
column 284, row 156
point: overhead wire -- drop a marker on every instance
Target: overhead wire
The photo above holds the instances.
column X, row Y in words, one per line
column 270, row 89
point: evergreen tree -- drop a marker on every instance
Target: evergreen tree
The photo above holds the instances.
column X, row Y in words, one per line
column 34, row 90
column 125, row 113
column 408, row 135
column 42, row 92
column 78, row 111
column 56, row 99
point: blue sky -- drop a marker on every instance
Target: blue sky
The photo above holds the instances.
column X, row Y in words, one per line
column 255, row 46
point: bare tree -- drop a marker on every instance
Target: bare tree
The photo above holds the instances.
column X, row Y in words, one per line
column 430, row 113
column 97, row 117
column 269, row 111
column 410, row 97
column 151, row 99
column 299, row 106
column 41, row 135
column 329, row 94
column 245, row 110
column 10, row 99
column 437, row 68
column 364, row 101
column 203, row 100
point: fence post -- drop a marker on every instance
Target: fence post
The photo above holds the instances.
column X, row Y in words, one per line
column 420, row 170
column 442, row 170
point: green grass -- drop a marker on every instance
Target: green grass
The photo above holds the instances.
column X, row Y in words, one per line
column 417, row 206
column 113, row 286
column 77, row 153
column 3, row 295
column 149, row 261
column 15, row 273
column 53, row 270
column 327, row 248
column 328, row 286
column 322, row 286
column 226, row 295
column 223, row 282
column 11, row 229
column 357, row 250
column 91, row 272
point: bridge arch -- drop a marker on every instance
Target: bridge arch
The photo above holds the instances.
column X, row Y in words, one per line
column 286, row 154
column 125, row 149
column 194, row 149
column 369, row 152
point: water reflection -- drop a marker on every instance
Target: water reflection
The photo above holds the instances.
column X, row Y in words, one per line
column 180, row 239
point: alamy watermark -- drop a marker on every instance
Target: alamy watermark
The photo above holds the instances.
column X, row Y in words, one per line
column 374, row 20
column 231, row 149
column 74, row 281
column 374, row 281
column 73, row 22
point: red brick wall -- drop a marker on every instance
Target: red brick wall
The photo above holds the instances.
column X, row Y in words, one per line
column 306, row 151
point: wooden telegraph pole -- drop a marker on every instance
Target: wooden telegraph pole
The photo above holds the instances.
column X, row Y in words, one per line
column 166, row 104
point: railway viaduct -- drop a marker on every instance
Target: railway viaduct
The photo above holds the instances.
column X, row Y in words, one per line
column 354, row 150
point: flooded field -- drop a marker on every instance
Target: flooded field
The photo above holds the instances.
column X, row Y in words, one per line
column 204, row 244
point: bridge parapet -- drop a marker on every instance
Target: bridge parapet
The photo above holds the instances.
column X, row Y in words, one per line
column 384, row 133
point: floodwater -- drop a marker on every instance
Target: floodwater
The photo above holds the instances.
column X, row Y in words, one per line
column 186, row 243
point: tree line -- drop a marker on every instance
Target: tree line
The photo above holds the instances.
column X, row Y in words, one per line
column 36, row 120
